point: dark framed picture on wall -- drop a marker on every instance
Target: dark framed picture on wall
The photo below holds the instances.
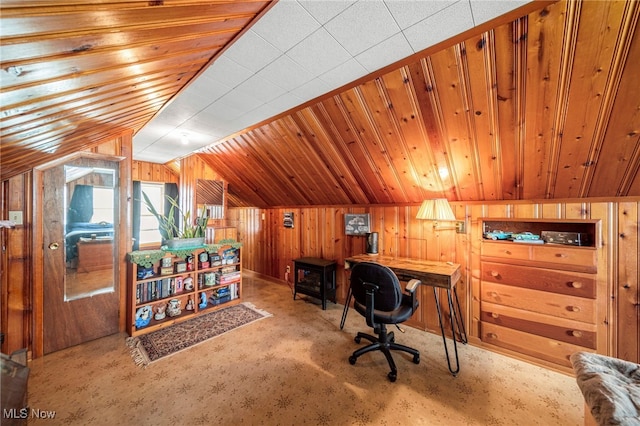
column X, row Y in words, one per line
column 357, row 223
column 288, row 220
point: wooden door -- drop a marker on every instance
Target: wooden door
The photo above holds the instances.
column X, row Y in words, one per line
column 68, row 321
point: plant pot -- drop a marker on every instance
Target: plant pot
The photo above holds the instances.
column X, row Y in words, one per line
column 184, row 243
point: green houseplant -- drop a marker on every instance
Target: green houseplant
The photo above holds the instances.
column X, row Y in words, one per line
column 190, row 234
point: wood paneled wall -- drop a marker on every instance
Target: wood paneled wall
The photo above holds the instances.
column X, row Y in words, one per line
column 269, row 247
column 21, row 276
column 153, row 172
column 626, row 273
column 15, row 267
column 319, row 231
column 194, row 168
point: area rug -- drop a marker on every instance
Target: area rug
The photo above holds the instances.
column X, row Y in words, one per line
column 159, row 344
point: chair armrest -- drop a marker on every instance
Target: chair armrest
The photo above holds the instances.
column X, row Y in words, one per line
column 410, row 299
column 412, row 285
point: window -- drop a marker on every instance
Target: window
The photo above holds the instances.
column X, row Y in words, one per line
column 149, row 233
column 102, row 205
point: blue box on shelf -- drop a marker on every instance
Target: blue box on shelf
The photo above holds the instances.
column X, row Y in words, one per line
column 220, row 300
column 144, row 272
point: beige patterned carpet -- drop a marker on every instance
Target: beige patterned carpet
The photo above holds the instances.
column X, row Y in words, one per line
column 292, row 369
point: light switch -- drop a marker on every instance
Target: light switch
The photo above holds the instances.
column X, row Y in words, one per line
column 16, row 216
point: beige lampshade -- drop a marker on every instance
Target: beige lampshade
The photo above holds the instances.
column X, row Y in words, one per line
column 437, row 209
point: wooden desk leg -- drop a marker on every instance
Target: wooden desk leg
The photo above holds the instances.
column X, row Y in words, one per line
column 345, row 311
column 456, row 322
column 462, row 331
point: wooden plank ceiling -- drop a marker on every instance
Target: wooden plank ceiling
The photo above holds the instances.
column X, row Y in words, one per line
column 544, row 107
column 77, row 72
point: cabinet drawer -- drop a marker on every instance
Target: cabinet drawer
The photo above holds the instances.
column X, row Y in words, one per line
column 580, row 259
column 570, row 283
column 557, row 305
column 566, row 257
column 537, row 346
column 569, row 331
column 506, row 250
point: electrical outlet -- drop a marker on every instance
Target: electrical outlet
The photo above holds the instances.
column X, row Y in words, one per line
column 16, row 216
column 288, row 269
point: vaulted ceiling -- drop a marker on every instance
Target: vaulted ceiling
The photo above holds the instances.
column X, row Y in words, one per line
column 544, row 106
column 77, row 72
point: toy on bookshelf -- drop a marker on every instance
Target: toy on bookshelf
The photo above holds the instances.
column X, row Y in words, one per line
column 143, row 316
column 160, row 312
column 190, row 306
column 174, row 308
column 188, row 284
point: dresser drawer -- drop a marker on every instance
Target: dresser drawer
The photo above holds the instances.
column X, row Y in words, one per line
column 580, row 259
column 569, row 331
column 574, row 258
column 570, row 283
column 557, row 305
column 537, row 346
column 506, row 250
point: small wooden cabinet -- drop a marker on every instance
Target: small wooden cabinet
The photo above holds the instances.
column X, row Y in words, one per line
column 316, row 278
column 540, row 299
column 196, row 281
column 95, row 254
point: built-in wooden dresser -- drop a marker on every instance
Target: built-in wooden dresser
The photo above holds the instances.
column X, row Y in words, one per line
column 539, row 299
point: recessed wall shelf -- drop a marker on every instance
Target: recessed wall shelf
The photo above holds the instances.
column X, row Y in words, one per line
column 588, row 228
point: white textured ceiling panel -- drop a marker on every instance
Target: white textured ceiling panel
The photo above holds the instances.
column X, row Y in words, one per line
column 296, row 52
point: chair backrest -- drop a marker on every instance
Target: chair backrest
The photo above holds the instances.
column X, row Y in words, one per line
column 389, row 295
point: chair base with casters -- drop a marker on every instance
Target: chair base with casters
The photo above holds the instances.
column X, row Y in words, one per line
column 384, row 343
column 379, row 298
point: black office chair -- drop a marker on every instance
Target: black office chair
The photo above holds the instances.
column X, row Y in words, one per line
column 379, row 298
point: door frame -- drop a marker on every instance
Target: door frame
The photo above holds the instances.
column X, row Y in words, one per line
column 124, row 231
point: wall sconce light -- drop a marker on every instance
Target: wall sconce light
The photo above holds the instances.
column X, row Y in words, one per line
column 439, row 210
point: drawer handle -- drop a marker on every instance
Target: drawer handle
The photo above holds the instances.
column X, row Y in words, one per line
column 494, row 294
column 507, row 252
column 561, row 255
column 576, row 284
column 492, row 335
column 495, row 274
column 576, row 333
column 494, row 315
column 574, row 308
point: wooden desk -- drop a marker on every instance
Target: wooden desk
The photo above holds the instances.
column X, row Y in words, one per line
column 443, row 275
column 437, row 274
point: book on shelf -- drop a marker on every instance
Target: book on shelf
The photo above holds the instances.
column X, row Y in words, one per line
column 228, row 277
